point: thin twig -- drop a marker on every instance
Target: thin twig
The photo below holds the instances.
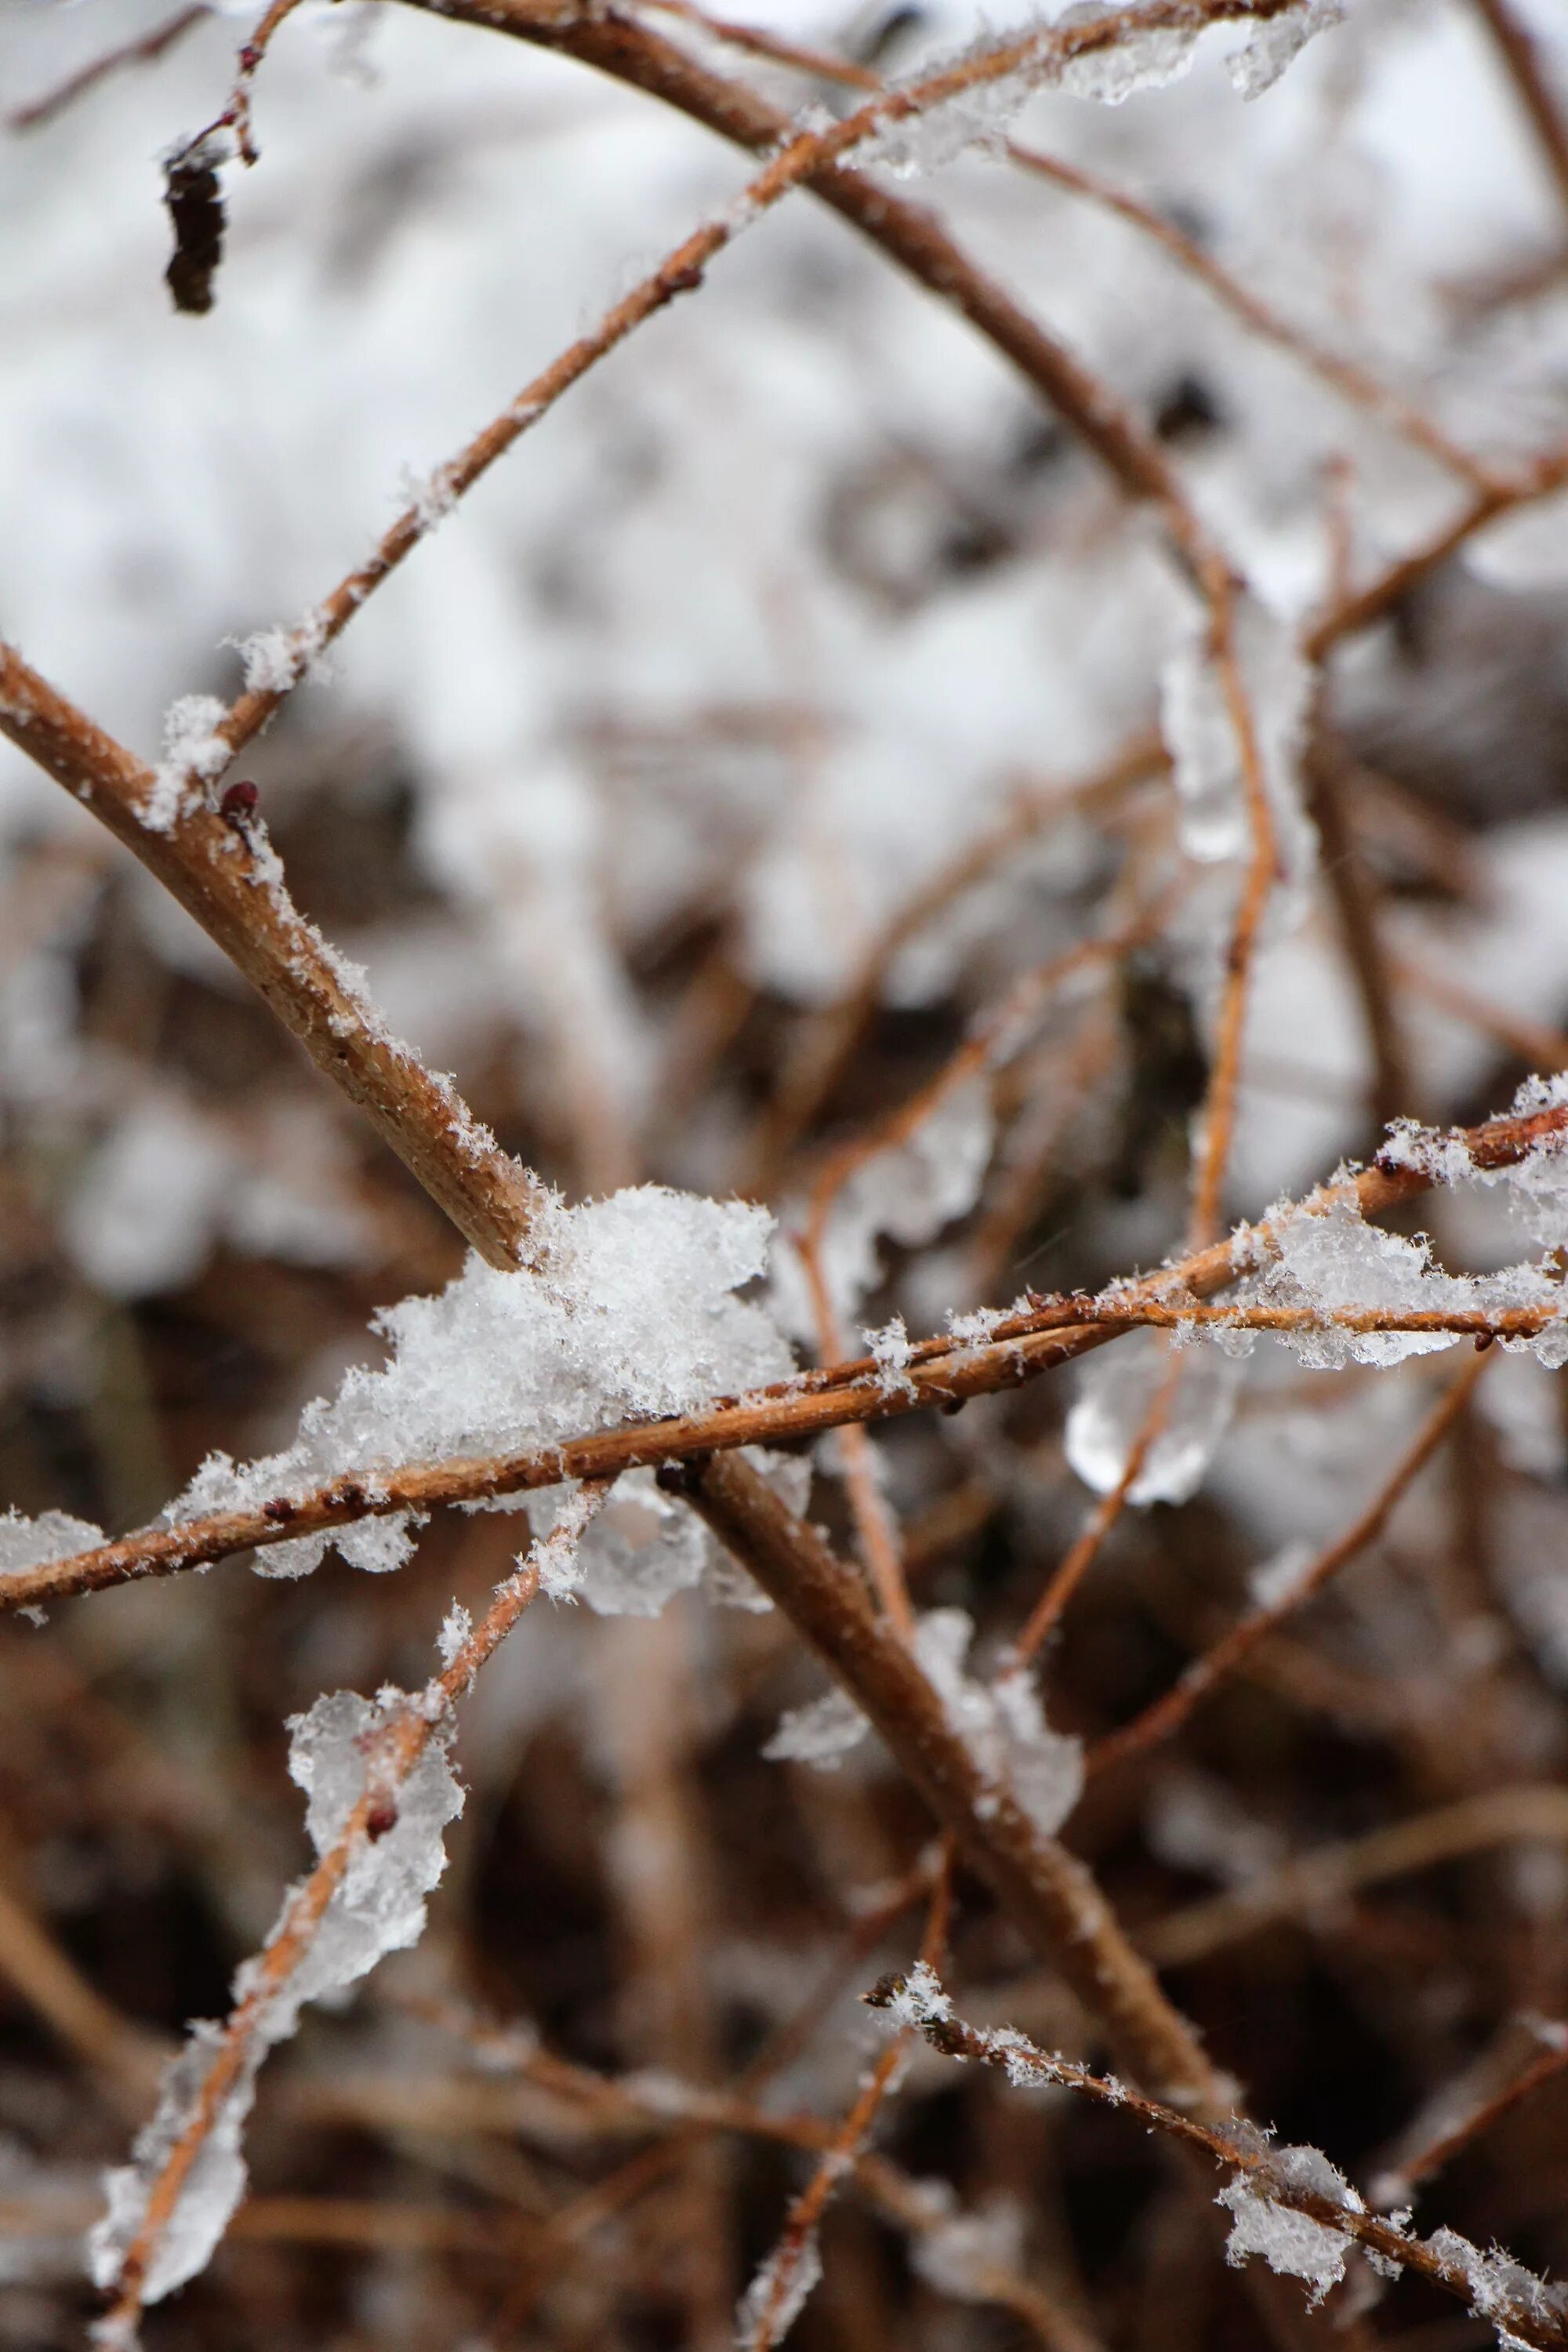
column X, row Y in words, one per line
column 1165, row 1717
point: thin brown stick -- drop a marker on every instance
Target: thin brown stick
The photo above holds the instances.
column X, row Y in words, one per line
column 232, row 882
column 1529, row 2319
column 398, row 1749
column 1522, row 60
column 1083, row 1553
column 133, row 53
column 1019, row 1346
column 782, row 2268
column 1553, row 2058
column 1165, row 1717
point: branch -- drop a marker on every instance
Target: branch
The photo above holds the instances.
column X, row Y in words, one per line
column 228, row 876
column 1491, row 2286
column 941, row 1372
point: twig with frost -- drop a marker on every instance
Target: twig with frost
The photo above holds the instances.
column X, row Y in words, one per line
column 233, row 886
column 169, row 2211
column 1355, row 383
column 786, row 2275
column 1164, row 1716
column 1288, row 2204
column 1006, row 1350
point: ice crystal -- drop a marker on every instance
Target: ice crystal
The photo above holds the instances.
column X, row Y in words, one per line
column 1275, row 43
column 822, row 1732
column 1001, row 1724
column 1202, row 730
column 1329, row 1258
column 377, row 1907
column 32, row 1543
column 1291, row 2243
column 193, row 751
column 918, row 1999
column 1537, row 1185
column 1119, row 1387
column 777, row 2295
column 632, row 1315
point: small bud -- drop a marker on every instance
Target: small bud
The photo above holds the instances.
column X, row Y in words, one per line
column 381, row 1817
column 237, row 806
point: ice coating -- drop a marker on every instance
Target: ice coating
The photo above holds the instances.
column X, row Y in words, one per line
column 1290, row 2243
column 1201, row 731
column 1002, row 1724
column 377, row 1907
column 777, row 2295
column 1117, row 1388
column 821, row 1733
column 633, row 1315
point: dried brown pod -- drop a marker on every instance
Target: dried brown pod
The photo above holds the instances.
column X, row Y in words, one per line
column 194, row 200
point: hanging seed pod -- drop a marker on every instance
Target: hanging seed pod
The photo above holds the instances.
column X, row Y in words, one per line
column 196, row 207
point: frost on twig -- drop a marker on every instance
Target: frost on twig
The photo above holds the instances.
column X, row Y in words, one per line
column 632, row 1315
column 777, row 2295
column 1201, row 727
column 1328, row 1257
column 1001, row 1724
column 1289, row 2240
column 193, row 751
column 1145, row 51
column 377, row 1907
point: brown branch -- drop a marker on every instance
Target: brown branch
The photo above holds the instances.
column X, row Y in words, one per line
column 1533, row 2320
column 1520, row 55
column 1049, row 1894
column 397, row 1751
column 230, row 880
column 134, row 53
column 1018, row 1347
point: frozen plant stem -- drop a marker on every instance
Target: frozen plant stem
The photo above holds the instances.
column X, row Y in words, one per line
column 399, row 1749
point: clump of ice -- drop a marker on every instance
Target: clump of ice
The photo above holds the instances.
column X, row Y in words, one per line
column 919, row 1998
column 1201, row 730
column 1290, row 2241
column 1537, row 1185
column 193, row 751
column 32, row 1543
column 1117, row 1388
column 981, row 116
column 1275, row 43
column 1332, row 1259
column 1002, row 1724
column 822, row 1732
column 964, row 2254
column 777, row 2295
column 276, row 659
column 907, row 1192
column 631, row 1316
column 377, row 1907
